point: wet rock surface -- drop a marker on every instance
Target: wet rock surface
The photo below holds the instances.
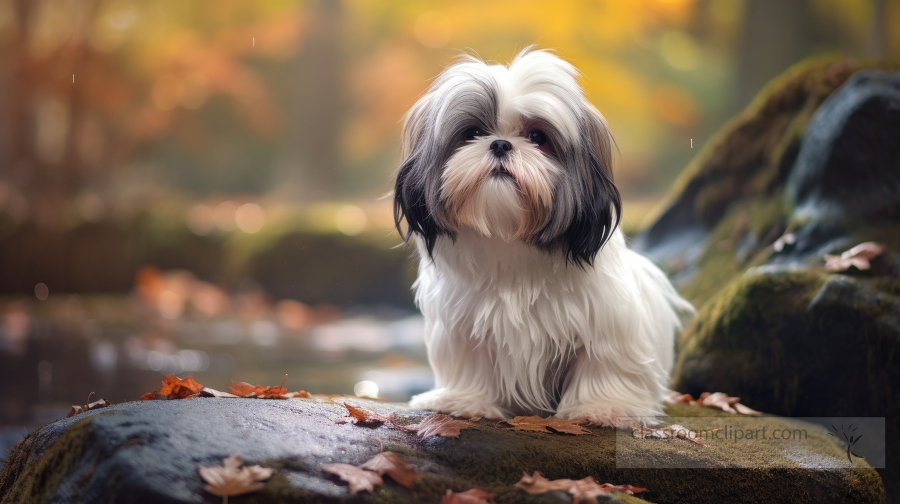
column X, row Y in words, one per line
column 149, row 452
column 812, row 167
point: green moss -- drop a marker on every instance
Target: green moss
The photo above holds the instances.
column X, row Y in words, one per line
column 28, row 478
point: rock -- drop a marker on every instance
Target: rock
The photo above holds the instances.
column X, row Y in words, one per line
column 149, row 452
column 812, row 167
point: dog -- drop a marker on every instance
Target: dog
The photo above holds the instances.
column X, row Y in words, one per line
column 533, row 304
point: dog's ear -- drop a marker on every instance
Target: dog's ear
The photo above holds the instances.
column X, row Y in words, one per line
column 598, row 206
column 410, row 199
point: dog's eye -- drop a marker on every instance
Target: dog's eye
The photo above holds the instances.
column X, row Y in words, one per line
column 537, row 137
column 471, row 133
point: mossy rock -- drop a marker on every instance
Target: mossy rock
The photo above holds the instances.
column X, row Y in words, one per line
column 812, row 167
column 149, row 452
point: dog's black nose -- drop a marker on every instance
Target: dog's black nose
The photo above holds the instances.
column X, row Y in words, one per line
column 500, row 147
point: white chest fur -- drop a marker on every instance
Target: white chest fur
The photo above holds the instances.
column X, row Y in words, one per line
column 506, row 323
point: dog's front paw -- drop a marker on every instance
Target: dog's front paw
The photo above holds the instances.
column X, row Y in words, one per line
column 456, row 404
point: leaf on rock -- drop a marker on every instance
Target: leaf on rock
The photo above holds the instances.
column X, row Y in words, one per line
column 472, row 496
column 858, row 256
column 361, row 416
column 537, row 484
column 100, row 403
column 174, row 387
column 718, row 400
column 436, row 425
column 671, row 431
column 232, row 479
column 357, row 479
column 244, row 389
column 149, row 396
column 552, row 424
column 390, row 464
column 208, row 392
column 582, row 491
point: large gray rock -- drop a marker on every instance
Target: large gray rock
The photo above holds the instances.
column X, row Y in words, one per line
column 812, row 167
column 149, row 452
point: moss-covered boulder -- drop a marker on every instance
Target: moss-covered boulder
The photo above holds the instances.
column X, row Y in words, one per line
column 149, row 452
column 812, row 167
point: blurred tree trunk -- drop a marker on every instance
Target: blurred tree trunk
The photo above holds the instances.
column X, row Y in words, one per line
column 43, row 102
column 312, row 168
column 877, row 42
column 777, row 34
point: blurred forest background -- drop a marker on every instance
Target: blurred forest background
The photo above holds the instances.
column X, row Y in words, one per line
column 195, row 188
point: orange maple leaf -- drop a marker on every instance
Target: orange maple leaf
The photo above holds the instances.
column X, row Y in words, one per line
column 176, row 388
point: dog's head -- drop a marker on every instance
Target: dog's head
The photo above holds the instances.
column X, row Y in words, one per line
column 514, row 152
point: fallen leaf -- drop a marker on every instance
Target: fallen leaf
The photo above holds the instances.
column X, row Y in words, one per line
column 232, row 479
column 361, row 416
column 551, row 424
column 436, row 425
column 472, row 496
column 583, row 491
column 357, row 479
column 149, row 396
column 668, row 432
column 244, row 389
column 174, row 387
column 208, row 392
column 718, row 400
column 537, row 484
column 390, row 464
column 101, row 403
column 858, row 256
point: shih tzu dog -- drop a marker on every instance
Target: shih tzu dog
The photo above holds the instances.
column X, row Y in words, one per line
column 533, row 305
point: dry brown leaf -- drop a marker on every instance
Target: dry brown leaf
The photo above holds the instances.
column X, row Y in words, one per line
column 718, row 400
column 361, row 416
column 858, row 256
column 232, row 479
column 357, row 479
column 537, row 484
column 174, row 387
column 101, row 403
column 244, row 389
column 436, row 425
column 390, row 464
column 208, row 392
column 551, row 424
column 149, row 396
column 471, row 496
column 671, row 431
column 582, row 491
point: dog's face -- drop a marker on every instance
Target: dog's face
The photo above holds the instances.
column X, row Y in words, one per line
column 512, row 152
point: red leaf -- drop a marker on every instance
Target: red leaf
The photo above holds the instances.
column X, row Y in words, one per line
column 149, row 396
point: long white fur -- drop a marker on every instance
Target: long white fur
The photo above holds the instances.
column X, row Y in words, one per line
column 514, row 329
